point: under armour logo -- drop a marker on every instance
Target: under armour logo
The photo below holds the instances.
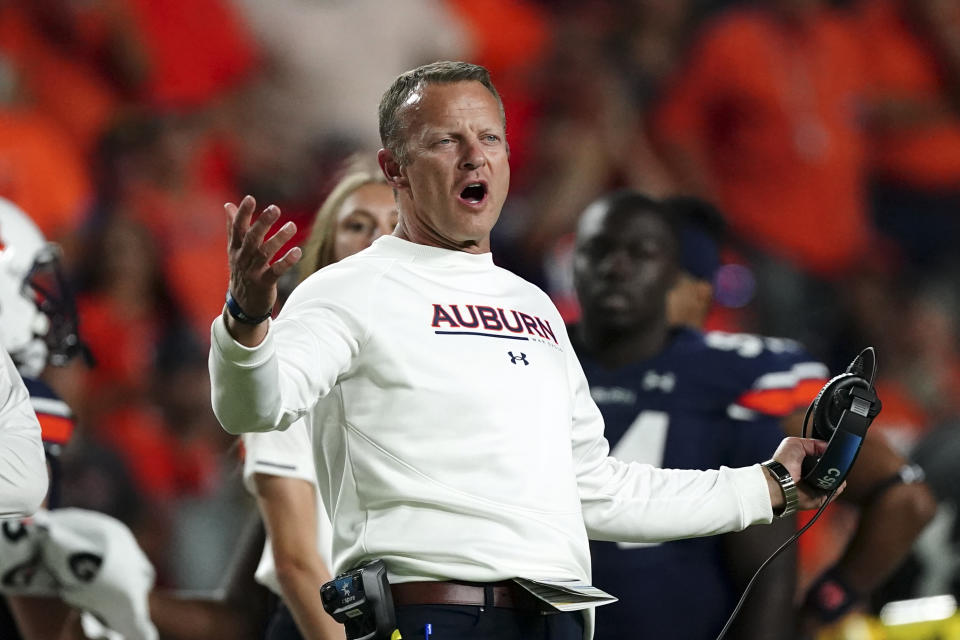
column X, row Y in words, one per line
column 664, row 382
column 521, row 358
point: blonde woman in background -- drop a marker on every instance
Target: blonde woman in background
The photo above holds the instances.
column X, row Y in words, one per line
column 279, row 466
column 359, row 209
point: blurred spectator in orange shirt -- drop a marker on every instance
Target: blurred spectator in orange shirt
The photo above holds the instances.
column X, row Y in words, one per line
column 765, row 115
column 914, row 73
column 126, row 311
column 764, row 120
column 197, row 50
column 53, row 79
column 164, row 172
column 41, row 169
column 174, row 54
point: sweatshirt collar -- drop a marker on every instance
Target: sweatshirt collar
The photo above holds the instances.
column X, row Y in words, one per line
column 395, row 247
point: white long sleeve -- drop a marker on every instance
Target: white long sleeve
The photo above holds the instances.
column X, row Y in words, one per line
column 23, row 466
column 633, row 502
column 457, row 438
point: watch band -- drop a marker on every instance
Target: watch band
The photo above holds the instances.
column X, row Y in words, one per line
column 233, row 308
column 787, row 485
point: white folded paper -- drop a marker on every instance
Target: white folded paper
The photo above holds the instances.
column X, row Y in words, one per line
column 565, row 594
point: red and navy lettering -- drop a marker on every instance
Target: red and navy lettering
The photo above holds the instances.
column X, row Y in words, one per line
column 493, row 322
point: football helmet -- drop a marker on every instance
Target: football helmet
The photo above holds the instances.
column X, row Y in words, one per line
column 38, row 316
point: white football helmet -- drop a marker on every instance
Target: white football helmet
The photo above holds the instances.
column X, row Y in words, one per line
column 38, row 320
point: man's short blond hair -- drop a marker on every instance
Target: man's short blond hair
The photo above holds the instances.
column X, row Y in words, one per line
column 396, row 97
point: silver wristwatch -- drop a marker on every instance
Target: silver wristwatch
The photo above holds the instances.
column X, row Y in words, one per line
column 787, row 485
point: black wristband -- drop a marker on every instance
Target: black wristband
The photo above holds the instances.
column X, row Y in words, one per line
column 907, row 474
column 238, row 314
column 830, row 597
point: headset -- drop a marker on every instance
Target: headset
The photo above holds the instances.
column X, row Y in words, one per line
column 842, row 411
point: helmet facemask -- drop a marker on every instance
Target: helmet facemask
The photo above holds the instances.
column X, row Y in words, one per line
column 47, row 287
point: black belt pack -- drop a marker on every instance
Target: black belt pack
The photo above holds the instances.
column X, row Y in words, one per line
column 360, row 600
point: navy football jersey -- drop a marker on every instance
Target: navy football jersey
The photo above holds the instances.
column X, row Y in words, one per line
column 705, row 401
column 55, row 416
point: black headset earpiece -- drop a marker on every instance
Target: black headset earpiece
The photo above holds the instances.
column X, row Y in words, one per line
column 842, row 411
column 832, row 401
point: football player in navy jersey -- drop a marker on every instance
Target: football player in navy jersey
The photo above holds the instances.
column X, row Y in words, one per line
column 894, row 502
column 672, row 398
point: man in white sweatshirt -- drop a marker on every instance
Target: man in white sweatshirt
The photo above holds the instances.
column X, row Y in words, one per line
column 465, row 449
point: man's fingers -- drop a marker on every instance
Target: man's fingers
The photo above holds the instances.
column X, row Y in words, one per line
column 277, row 240
column 238, row 220
column 811, row 447
column 245, row 212
column 283, row 265
column 840, row 489
column 234, row 238
column 253, row 240
column 253, row 278
column 247, row 206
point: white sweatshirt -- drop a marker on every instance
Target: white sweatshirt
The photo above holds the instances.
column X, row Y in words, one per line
column 23, row 465
column 463, row 442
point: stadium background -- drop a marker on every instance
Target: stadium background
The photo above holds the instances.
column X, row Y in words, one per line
column 126, row 124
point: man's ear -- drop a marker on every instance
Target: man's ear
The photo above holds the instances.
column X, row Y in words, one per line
column 392, row 169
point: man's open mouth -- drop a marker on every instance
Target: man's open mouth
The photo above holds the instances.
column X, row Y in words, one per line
column 474, row 193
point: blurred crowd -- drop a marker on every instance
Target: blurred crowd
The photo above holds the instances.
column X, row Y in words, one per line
column 828, row 134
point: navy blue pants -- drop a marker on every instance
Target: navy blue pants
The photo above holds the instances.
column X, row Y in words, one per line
column 454, row 622
column 282, row 625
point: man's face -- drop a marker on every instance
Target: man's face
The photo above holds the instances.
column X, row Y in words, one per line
column 624, row 265
column 456, row 175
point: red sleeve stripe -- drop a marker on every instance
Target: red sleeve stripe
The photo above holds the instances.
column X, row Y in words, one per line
column 55, row 429
column 807, row 390
column 53, row 406
column 783, row 401
column 773, row 402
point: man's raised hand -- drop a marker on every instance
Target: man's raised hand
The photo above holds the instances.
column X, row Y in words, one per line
column 253, row 277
